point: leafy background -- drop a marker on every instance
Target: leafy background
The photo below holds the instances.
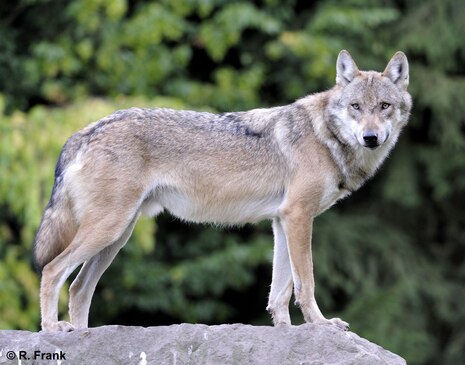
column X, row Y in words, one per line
column 390, row 259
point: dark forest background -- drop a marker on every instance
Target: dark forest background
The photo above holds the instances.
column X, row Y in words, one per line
column 390, row 259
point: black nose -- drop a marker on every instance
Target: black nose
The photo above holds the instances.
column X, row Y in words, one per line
column 371, row 139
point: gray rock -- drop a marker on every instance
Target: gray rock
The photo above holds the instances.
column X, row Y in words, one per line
column 194, row 344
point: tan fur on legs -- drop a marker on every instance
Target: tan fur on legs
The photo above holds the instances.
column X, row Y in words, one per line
column 301, row 205
column 299, row 238
column 92, row 237
column 83, row 287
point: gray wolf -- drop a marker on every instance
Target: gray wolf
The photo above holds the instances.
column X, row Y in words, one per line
column 287, row 164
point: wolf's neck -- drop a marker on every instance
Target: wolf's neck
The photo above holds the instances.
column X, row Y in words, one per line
column 355, row 163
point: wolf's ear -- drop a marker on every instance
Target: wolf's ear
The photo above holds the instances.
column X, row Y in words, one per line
column 397, row 70
column 346, row 69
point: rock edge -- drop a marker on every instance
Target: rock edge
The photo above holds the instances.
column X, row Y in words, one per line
column 192, row 344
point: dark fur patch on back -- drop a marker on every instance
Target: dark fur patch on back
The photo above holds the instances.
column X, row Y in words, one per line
column 233, row 123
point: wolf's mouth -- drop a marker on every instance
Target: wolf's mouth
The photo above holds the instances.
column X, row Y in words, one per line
column 371, row 144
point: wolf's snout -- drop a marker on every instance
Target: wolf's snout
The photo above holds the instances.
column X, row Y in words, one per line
column 371, row 139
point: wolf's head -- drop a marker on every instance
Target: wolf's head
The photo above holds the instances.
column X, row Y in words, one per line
column 370, row 108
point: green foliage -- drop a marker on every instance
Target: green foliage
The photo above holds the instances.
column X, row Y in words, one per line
column 224, row 30
column 18, row 290
column 389, row 259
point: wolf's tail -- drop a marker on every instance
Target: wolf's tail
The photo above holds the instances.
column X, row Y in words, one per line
column 56, row 230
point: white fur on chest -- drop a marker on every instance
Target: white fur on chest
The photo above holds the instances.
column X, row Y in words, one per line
column 331, row 194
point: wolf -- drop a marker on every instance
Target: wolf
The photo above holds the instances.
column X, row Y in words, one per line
column 285, row 164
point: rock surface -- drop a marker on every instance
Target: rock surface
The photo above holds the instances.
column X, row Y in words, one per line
column 194, row 344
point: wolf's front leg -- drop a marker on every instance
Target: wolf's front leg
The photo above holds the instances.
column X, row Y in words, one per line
column 281, row 282
column 297, row 223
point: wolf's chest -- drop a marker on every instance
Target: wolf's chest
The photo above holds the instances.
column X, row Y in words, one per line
column 331, row 194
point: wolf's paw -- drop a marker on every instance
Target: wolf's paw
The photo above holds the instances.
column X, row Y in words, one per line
column 339, row 323
column 280, row 315
column 60, row 326
column 281, row 324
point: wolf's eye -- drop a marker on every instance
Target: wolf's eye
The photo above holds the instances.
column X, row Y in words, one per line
column 356, row 106
column 385, row 105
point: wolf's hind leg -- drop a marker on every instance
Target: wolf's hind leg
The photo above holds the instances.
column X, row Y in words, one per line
column 94, row 234
column 281, row 283
column 83, row 287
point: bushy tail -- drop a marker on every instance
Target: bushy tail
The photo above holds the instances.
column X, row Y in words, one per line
column 56, row 229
